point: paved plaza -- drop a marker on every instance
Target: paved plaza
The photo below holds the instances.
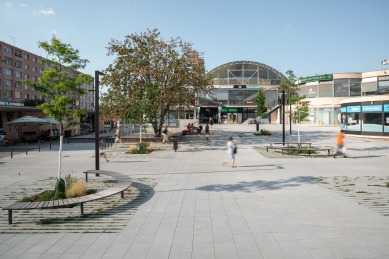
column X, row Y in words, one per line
column 185, row 204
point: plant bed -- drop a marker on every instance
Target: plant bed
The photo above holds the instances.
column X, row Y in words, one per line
column 294, row 150
column 141, row 148
column 263, row 132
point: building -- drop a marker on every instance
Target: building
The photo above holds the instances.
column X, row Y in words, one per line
column 16, row 99
column 236, row 85
column 357, row 102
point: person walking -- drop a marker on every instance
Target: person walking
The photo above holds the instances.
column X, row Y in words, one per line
column 207, row 134
column 102, row 147
column 231, row 151
column 340, row 145
column 210, row 121
column 165, row 135
column 117, row 134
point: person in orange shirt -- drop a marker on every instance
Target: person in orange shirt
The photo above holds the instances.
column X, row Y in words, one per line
column 340, row 145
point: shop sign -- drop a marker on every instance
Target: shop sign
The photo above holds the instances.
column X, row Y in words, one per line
column 372, row 108
column 239, row 86
column 353, row 109
column 386, row 107
column 253, row 86
column 316, row 78
column 231, row 110
column 343, row 109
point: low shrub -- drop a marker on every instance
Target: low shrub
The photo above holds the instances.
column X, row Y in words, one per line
column 300, row 150
column 77, row 189
column 69, row 180
column 46, row 196
column 263, row 132
column 141, row 148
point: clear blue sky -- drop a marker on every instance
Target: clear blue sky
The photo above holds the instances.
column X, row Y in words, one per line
column 307, row 36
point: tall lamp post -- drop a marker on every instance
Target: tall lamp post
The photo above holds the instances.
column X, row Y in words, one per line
column 97, row 130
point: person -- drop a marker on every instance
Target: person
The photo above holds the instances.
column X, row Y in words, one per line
column 165, row 135
column 340, row 145
column 117, row 134
column 231, row 149
column 210, row 121
column 207, row 134
column 188, row 128
column 102, row 147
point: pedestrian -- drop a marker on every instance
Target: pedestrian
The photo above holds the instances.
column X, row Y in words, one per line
column 117, row 134
column 165, row 135
column 340, row 145
column 207, row 134
column 231, row 151
column 102, row 147
column 210, row 121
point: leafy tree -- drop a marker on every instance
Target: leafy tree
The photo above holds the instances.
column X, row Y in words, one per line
column 260, row 98
column 300, row 112
column 172, row 66
column 60, row 84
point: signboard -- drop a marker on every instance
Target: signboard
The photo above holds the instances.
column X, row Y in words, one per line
column 386, row 107
column 253, row 86
column 239, row 86
column 343, row 109
column 372, row 108
column 230, row 110
column 316, row 78
column 353, row 109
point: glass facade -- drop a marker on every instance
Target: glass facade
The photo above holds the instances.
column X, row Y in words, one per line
column 341, row 87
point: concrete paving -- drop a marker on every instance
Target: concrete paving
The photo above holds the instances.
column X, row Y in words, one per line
column 264, row 208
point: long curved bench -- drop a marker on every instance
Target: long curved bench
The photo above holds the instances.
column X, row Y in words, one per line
column 123, row 182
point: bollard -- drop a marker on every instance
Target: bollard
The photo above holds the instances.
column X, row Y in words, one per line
column 12, row 150
column 68, row 140
column 175, row 144
column 26, row 148
column 50, row 143
column 257, row 126
column 39, row 140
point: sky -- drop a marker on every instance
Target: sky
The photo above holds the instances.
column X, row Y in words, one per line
column 309, row 37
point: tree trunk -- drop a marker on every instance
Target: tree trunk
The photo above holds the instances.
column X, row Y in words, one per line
column 60, row 150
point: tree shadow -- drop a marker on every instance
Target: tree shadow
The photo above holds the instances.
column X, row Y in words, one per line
column 258, row 185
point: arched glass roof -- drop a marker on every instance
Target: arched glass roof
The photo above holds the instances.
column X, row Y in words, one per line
column 245, row 73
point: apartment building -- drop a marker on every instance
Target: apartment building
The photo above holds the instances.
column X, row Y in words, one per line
column 17, row 65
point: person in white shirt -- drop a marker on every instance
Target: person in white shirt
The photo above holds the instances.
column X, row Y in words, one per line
column 231, row 149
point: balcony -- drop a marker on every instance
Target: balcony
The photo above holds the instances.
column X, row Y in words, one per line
column 18, row 53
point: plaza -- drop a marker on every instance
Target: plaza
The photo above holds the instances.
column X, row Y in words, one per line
column 185, row 204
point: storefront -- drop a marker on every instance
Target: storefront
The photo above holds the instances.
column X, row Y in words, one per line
column 366, row 118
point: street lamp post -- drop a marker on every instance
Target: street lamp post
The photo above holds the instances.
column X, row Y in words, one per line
column 97, row 130
column 283, row 117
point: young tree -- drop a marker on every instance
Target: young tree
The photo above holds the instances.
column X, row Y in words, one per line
column 60, row 84
column 261, row 108
column 146, row 58
column 300, row 113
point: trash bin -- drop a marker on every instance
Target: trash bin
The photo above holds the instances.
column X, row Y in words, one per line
column 175, row 144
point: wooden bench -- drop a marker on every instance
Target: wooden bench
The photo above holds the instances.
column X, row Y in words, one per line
column 123, row 182
column 328, row 149
column 290, row 143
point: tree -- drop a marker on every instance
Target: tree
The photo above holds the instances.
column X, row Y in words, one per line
column 260, row 98
column 300, row 112
column 60, row 84
column 173, row 67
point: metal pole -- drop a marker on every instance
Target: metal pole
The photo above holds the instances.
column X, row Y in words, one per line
column 97, row 157
column 26, row 148
column 283, row 117
column 50, row 143
column 12, row 151
column 290, row 116
column 39, row 145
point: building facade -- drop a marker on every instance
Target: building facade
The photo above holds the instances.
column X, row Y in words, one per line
column 357, row 102
column 18, row 65
column 236, row 85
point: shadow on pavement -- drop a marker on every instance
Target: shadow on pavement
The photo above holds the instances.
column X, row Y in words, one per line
column 258, row 185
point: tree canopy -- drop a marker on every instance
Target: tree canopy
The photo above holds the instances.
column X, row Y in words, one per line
column 173, row 67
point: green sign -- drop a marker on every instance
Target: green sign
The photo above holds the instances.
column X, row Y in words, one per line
column 316, row 78
column 231, row 110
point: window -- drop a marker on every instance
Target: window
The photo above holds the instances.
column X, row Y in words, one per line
column 40, row 71
column 34, row 59
column 311, row 91
column 369, row 86
column 26, row 56
column 34, row 78
column 26, row 66
column 26, row 76
column 34, row 69
column 355, row 87
column 8, row 93
column 386, row 118
column 7, row 71
column 7, row 61
column 18, row 95
column 34, row 97
column 26, row 96
column 383, row 85
column 18, row 74
column 7, row 82
column 26, row 87
column 7, row 50
column 372, row 118
column 18, row 84
column 18, row 53
column 18, row 64
column 325, row 89
column 341, row 87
